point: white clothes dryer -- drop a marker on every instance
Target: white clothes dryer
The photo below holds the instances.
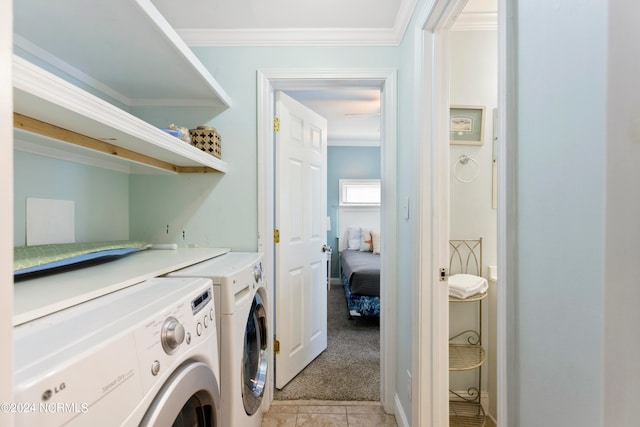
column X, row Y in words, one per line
column 146, row 355
column 244, row 333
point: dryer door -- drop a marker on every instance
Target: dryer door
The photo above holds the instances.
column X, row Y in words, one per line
column 255, row 360
column 190, row 397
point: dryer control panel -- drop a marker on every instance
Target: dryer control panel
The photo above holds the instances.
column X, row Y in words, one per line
column 186, row 324
column 200, row 302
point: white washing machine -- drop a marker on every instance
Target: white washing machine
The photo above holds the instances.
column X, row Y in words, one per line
column 244, row 333
column 146, row 355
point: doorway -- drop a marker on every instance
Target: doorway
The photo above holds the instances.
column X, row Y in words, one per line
column 385, row 81
column 349, row 368
column 473, row 198
column 430, row 353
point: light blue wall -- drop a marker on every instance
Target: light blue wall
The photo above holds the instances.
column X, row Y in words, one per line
column 561, row 70
column 346, row 163
column 406, row 227
column 221, row 209
column 101, row 196
column 226, row 211
column 188, row 209
column 226, row 214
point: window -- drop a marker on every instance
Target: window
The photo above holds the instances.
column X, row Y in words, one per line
column 360, row 192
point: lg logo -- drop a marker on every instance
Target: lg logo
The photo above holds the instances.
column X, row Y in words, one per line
column 57, row 389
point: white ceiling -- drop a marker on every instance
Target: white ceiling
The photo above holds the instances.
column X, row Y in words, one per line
column 236, row 14
column 353, row 115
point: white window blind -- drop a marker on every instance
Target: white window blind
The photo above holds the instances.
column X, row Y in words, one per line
column 360, row 192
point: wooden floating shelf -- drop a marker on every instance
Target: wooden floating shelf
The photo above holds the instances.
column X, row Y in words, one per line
column 48, row 130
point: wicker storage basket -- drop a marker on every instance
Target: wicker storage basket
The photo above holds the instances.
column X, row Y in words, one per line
column 207, row 139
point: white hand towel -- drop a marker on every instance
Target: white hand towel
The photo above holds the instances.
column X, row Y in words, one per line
column 465, row 285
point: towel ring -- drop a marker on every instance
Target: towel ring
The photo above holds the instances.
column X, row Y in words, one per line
column 464, row 159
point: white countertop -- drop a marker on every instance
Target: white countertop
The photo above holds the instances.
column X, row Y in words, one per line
column 41, row 296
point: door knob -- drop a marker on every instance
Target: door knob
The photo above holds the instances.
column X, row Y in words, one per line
column 326, row 248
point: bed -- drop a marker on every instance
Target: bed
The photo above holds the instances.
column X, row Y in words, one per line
column 360, row 272
column 359, row 247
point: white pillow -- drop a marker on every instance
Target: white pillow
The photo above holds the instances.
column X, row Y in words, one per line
column 353, row 238
column 366, row 245
column 375, row 240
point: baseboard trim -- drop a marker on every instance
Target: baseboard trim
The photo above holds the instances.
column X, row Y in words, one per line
column 401, row 417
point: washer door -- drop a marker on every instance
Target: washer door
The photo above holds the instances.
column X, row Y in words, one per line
column 190, row 397
column 255, row 361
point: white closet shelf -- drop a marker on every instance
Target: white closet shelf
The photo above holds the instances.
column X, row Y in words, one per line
column 60, row 111
column 125, row 49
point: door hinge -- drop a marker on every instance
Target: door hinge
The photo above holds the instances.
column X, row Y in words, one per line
column 276, row 236
column 444, row 274
column 276, row 346
column 276, row 124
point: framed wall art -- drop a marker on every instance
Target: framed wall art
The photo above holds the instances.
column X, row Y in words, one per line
column 466, row 124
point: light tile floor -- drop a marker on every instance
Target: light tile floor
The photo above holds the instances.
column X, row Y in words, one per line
column 319, row 413
column 305, row 413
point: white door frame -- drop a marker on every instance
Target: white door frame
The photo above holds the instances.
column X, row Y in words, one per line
column 430, row 354
column 270, row 80
column 6, row 217
column 507, row 241
column 431, row 308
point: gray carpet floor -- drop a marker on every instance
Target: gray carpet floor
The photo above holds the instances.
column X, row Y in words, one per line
column 349, row 369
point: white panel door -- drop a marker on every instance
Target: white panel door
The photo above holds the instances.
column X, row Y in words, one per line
column 301, row 210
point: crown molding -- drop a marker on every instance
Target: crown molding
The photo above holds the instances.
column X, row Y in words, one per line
column 476, row 21
column 289, row 37
column 303, row 36
column 403, row 18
